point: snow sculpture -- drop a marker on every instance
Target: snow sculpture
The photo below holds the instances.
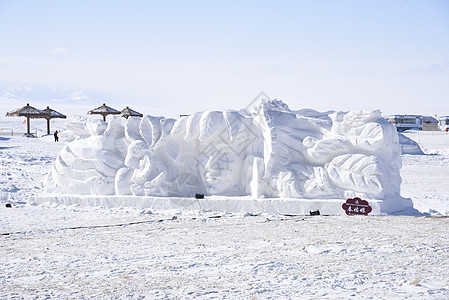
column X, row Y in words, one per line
column 269, row 152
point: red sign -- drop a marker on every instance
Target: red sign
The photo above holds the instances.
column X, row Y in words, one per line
column 356, row 206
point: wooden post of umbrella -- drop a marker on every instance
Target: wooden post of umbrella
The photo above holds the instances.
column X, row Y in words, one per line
column 51, row 115
column 28, row 124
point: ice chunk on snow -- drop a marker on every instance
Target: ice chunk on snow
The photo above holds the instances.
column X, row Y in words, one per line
column 409, row 146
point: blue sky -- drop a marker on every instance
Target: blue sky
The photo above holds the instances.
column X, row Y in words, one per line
column 175, row 57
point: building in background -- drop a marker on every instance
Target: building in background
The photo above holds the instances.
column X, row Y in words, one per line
column 405, row 122
column 444, row 122
column 430, row 123
column 416, row 122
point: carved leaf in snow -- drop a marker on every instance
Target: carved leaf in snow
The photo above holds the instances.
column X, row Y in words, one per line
column 146, row 130
column 167, row 125
column 369, row 131
column 324, row 150
column 211, row 123
column 157, row 129
column 150, row 129
column 179, row 126
column 132, row 129
column 356, row 172
column 122, row 146
column 192, row 129
column 368, row 137
column 360, row 117
column 233, row 123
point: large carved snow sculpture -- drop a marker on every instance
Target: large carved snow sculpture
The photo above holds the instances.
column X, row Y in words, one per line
column 269, row 152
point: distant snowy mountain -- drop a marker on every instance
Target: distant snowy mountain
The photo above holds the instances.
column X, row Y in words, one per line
column 19, row 92
column 70, row 101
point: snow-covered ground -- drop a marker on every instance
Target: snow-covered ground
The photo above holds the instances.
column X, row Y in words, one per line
column 55, row 251
column 425, row 177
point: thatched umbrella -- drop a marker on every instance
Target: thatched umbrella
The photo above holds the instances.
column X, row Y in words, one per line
column 104, row 111
column 128, row 112
column 51, row 115
column 29, row 112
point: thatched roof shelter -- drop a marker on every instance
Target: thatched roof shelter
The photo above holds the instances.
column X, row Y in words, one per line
column 29, row 112
column 104, row 111
column 52, row 114
column 128, row 112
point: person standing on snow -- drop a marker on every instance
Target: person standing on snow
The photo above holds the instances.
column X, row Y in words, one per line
column 56, row 136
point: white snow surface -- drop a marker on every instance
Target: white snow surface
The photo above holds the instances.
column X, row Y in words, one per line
column 52, row 250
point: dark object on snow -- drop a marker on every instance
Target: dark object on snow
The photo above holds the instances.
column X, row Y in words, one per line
column 356, row 206
column 8, row 205
column 314, row 212
column 56, row 136
column 199, row 196
column 104, row 111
